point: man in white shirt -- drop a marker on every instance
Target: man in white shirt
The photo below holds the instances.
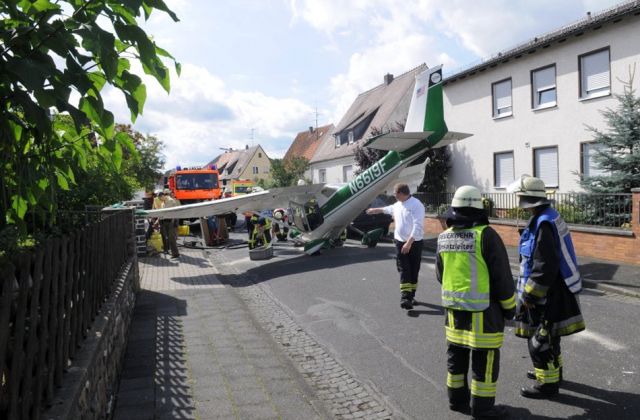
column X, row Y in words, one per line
column 408, row 218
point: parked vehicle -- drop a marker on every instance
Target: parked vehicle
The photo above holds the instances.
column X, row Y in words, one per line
column 367, row 222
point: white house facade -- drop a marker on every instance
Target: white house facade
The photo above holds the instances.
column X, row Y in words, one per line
column 528, row 107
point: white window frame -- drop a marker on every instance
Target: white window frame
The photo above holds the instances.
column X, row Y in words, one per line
column 346, row 171
column 501, row 180
column 502, row 103
column 595, row 74
column 255, row 170
column 546, row 167
column 543, row 81
column 322, row 176
column 588, row 167
column 350, row 137
column 337, row 137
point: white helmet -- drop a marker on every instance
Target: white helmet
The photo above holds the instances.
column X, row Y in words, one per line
column 467, row 196
column 532, row 192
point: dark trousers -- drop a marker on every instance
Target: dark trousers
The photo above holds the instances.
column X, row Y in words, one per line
column 169, row 237
column 409, row 267
column 547, row 361
column 485, row 367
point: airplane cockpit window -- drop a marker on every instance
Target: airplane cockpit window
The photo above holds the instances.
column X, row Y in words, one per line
column 299, row 216
column 328, row 191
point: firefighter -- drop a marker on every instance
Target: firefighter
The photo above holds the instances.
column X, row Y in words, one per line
column 279, row 232
column 549, row 281
column 478, row 294
column 261, row 235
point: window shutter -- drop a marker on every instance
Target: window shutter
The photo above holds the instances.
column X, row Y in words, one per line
column 545, row 79
column 590, row 167
column 503, row 94
column 547, row 166
column 595, row 71
column 504, row 169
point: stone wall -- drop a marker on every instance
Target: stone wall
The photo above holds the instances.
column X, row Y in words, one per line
column 90, row 383
column 617, row 245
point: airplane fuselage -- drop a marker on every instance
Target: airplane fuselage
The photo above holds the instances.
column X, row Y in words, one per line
column 351, row 199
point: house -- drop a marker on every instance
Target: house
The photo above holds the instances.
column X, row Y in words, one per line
column 382, row 108
column 528, row 107
column 306, row 143
column 248, row 163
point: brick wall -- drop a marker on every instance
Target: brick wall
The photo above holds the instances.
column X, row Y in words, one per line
column 623, row 247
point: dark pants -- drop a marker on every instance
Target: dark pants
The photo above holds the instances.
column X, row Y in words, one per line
column 547, row 361
column 409, row 267
column 485, row 367
column 169, row 237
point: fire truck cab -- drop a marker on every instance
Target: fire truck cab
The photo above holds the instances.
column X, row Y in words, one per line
column 193, row 185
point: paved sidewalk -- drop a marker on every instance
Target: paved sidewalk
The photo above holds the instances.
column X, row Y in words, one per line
column 604, row 275
column 196, row 352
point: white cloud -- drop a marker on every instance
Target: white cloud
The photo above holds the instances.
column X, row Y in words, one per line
column 201, row 115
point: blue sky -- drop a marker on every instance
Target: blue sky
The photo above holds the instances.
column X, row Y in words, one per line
column 255, row 71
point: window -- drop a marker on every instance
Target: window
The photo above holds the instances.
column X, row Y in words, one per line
column 347, row 173
column 259, row 154
column 545, row 165
column 337, row 137
column 501, row 92
column 255, row 170
column 503, row 169
column 588, row 165
column 543, row 87
column 322, row 175
column 595, row 78
column 350, row 137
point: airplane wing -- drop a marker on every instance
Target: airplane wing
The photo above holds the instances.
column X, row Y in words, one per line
column 277, row 197
column 397, row 141
column 451, row 137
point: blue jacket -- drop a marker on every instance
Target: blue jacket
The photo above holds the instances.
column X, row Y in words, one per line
column 568, row 262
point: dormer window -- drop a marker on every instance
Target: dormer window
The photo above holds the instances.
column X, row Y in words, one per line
column 350, row 137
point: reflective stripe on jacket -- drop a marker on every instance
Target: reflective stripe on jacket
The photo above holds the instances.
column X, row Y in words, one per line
column 465, row 278
column 568, row 262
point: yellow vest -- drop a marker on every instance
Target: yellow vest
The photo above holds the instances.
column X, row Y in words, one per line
column 465, row 276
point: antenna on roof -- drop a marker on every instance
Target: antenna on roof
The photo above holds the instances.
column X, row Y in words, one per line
column 252, row 131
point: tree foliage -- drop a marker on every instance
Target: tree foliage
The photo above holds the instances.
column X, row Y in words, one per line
column 365, row 156
column 619, row 151
column 286, row 173
column 55, row 58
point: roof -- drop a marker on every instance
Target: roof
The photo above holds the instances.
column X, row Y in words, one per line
column 306, row 142
column 382, row 102
column 613, row 14
column 234, row 161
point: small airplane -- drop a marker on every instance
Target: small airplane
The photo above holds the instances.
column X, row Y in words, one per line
column 322, row 212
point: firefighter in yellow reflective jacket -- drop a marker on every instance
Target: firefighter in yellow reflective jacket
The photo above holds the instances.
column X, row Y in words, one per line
column 478, row 294
column 261, row 235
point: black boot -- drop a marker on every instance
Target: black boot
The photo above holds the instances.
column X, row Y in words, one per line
column 540, row 391
column 406, row 302
column 495, row 412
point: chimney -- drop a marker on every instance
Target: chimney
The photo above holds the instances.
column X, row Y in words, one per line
column 311, row 129
column 246, row 147
column 388, row 78
column 588, row 15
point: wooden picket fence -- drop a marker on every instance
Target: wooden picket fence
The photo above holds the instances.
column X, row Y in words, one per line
column 48, row 301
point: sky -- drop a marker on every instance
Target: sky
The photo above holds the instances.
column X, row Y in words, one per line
column 257, row 72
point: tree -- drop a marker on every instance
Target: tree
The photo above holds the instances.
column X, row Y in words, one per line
column 55, row 58
column 102, row 185
column 365, row 156
column 286, row 173
column 619, row 151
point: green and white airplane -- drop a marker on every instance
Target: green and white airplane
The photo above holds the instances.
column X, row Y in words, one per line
column 322, row 212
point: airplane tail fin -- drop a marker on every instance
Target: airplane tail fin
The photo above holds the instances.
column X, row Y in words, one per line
column 426, row 111
column 425, row 117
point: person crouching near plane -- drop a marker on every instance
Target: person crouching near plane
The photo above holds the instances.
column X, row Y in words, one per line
column 478, row 294
column 408, row 218
column 548, row 305
column 279, row 232
column 261, row 235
